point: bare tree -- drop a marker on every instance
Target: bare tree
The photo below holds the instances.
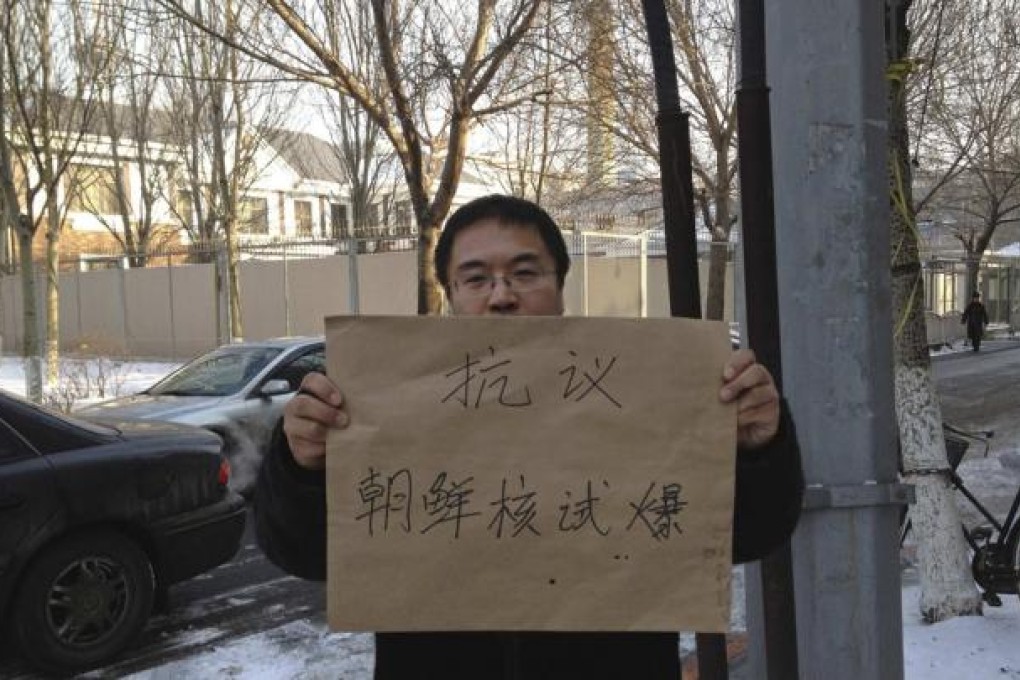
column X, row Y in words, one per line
column 535, row 149
column 50, row 71
column 704, row 38
column 363, row 154
column 947, row 587
column 10, row 208
column 440, row 63
column 9, row 204
column 137, row 132
column 975, row 116
column 362, row 149
column 932, row 58
column 225, row 109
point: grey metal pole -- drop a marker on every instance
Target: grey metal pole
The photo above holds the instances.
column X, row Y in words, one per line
column 125, row 324
column 77, row 300
column 584, row 269
column 1011, row 291
column 643, row 274
column 354, row 293
column 832, row 201
column 170, row 287
column 286, row 294
column 223, row 303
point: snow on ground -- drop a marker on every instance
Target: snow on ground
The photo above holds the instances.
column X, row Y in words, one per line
column 299, row 649
column 979, row 648
column 969, row 647
column 121, row 377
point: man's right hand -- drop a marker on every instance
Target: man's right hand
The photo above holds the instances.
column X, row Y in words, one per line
column 317, row 407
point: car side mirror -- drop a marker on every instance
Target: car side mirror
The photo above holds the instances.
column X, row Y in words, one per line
column 275, row 387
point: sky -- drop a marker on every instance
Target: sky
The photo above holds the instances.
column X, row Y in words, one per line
column 977, row 647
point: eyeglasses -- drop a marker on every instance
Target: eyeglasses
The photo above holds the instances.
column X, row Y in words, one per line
column 521, row 280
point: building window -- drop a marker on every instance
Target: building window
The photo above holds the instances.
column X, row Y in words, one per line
column 92, row 189
column 253, row 216
column 303, row 217
column 338, row 219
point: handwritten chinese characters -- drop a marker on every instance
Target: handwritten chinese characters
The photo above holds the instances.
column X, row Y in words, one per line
column 477, row 380
column 529, row 473
column 390, row 502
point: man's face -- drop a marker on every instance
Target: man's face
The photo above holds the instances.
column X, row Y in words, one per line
column 502, row 269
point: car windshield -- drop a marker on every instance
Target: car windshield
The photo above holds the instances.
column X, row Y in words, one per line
column 221, row 372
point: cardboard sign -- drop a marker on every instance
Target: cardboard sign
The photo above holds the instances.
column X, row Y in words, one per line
column 535, row 473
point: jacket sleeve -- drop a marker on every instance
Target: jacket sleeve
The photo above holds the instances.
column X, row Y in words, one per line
column 769, row 493
column 290, row 513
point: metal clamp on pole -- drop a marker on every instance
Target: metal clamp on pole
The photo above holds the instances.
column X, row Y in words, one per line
column 866, row 494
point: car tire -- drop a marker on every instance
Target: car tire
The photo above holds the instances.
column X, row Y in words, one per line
column 82, row 600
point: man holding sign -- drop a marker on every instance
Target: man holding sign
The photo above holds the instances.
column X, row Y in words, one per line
column 505, row 256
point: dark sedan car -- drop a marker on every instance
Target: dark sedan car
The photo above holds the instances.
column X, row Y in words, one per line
column 96, row 521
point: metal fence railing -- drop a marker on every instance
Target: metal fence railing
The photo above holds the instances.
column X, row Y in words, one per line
column 172, row 302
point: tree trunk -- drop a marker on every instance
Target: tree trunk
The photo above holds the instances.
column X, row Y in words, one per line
column 221, row 265
column 715, row 302
column 430, row 295
column 973, row 267
column 5, row 255
column 234, row 281
column 31, row 351
column 52, row 289
column 947, row 586
column 52, row 308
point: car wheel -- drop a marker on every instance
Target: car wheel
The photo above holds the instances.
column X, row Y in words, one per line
column 83, row 599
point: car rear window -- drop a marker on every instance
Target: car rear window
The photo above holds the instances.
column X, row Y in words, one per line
column 50, row 431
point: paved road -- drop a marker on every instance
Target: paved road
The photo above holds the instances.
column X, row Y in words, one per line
column 977, row 391
column 980, row 390
column 244, row 596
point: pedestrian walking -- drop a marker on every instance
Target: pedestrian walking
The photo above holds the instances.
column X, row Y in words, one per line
column 976, row 318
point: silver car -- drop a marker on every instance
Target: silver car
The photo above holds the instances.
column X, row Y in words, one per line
column 238, row 391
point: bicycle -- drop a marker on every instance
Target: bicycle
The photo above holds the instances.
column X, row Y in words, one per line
column 995, row 546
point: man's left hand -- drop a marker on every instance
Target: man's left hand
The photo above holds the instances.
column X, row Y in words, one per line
column 749, row 384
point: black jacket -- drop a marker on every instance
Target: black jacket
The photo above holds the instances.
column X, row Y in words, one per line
column 976, row 318
column 290, row 517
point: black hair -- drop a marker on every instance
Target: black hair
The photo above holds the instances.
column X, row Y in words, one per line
column 507, row 210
